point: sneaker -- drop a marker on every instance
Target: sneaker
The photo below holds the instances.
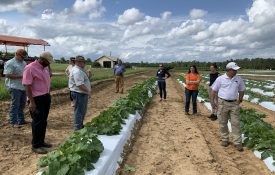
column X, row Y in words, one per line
column 239, row 147
column 225, row 143
column 160, row 99
column 214, row 117
column 47, row 145
column 40, row 150
column 187, row 113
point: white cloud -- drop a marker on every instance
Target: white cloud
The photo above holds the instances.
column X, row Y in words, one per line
column 23, row 6
column 47, row 14
column 166, row 15
column 130, row 16
column 93, row 7
column 188, row 28
column 136, row 37
column 197, row 13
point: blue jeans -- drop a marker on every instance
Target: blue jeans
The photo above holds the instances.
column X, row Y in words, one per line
column 188, row 95
column 80, row 109
column 18, row 102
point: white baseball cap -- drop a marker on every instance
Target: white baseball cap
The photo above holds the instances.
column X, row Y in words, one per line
column 232, row 65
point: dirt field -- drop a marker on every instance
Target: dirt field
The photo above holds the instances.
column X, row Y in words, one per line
column 16, row 157
column 169, row 142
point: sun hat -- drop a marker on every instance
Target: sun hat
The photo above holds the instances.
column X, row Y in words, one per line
column 80, row 58
column 48, row 56
column 232, row 65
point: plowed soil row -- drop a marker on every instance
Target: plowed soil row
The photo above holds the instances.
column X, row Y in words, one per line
column 16, row 157
column 170, row 142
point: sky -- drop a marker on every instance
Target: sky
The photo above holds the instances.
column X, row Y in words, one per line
column 144, row 30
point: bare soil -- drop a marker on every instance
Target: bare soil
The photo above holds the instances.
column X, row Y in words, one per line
column 16, row 157
column 172, row 143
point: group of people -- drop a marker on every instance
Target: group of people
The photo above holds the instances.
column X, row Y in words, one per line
column 225, row 93
column 30, row 84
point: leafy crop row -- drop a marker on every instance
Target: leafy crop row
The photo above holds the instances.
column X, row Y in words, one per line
column 259, row 134
column 82, row 148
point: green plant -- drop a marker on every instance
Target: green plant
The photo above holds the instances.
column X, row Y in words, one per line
column 83, row 148
column 127, row 168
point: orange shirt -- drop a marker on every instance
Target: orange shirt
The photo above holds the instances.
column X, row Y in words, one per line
column 192, row 77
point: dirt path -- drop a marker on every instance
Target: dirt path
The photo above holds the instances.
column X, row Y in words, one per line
column 16, row 157
column 169, row 142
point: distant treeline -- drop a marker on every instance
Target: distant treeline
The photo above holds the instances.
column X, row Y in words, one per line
column 256, row 63
column 246, row 63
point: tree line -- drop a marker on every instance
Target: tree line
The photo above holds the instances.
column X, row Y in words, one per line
column 246, row 63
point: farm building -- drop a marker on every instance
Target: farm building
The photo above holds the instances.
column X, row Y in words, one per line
column 107, row 61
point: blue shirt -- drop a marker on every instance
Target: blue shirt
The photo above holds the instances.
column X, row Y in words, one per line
column 14, row 67
column 119, row 70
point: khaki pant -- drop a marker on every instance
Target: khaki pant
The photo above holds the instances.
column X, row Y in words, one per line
column 119, row 83
column 226, row 111
column 214, row 111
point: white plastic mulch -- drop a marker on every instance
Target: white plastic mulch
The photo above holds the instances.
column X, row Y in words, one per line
column 110, row 158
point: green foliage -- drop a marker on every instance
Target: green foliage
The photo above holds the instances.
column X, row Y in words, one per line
column 83, row 148
column 128, row 169
column 74, row 156
column 109, row 121
column 259, row 134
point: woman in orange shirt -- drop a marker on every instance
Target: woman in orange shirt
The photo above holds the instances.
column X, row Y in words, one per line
column 191, row 89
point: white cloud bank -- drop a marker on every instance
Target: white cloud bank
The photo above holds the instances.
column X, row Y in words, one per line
column 137, row 37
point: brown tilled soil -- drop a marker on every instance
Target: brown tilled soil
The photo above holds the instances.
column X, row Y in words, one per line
column 172, row 143
column 16, row 157
column 169, row 142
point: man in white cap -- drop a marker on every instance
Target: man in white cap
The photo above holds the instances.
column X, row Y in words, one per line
column 230, row 88
column 36, row 79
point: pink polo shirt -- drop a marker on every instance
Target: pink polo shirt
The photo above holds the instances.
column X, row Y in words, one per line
column 38, row 77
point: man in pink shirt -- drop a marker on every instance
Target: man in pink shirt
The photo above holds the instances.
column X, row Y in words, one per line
column 36, row 79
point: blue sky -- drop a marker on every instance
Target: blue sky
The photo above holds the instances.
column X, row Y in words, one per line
column 145, row 30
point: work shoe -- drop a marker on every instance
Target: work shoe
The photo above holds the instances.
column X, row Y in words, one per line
column 211, row 116
column 40, row 150
column 214, row 117
column 225, row 143
column 239, row 147
column 46, row 145
column 15, row 126
column 23, row 123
